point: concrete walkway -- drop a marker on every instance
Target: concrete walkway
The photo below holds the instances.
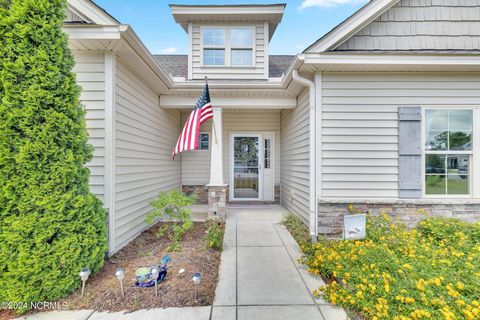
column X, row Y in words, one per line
column 260, row 277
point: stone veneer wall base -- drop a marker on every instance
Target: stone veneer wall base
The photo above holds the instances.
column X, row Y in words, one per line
column 408, row 212
column 217, row 202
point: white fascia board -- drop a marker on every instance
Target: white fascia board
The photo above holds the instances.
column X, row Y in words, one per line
column 352, row 25
column 110, row 69
column 180, row 102
column 94, row 32
column 391, row 60
column 265, row 85
column 93, row 12
column 140, row 50
column 183, row 14
column 186, row 11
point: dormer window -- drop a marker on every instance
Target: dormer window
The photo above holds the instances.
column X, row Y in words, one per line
column 227, row 46
column 229, row 41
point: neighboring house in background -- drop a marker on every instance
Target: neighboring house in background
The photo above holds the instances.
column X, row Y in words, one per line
column 380, row 112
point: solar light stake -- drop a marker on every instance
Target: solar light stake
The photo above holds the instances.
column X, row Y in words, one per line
column 155, row 271
column 196, row 280
column 120, row 274
column 84, row 274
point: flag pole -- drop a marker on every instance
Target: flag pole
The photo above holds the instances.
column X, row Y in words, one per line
column 213, row 119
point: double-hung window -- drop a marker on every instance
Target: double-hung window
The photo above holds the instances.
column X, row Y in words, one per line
column 227, row 46
column 448, row 151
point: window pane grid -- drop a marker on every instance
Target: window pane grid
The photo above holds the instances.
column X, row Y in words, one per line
column 203, row 141
column 447, row 174
column 214, row 37
column 448, row 130
column 242, row 57
column 267, row 154
column 214, row 57
column 241, row 37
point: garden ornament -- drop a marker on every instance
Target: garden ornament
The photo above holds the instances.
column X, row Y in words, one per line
column 84, row 274
column 120, row 274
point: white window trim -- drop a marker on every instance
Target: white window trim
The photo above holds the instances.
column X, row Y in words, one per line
column 474, row 170
column 228, row 47
column 209, row 142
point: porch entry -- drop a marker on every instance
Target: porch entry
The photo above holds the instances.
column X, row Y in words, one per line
column 251, row 167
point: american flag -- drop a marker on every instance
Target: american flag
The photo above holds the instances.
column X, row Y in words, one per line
column 202, row 111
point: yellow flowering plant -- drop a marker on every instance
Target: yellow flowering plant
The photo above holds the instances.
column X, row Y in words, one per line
column 430, row 272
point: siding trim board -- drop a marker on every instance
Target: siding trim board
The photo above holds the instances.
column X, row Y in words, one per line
column 110, row 67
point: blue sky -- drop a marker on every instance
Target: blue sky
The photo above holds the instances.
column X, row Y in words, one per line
column 304, row 22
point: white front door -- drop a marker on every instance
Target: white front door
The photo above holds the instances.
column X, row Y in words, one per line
column 251, row 174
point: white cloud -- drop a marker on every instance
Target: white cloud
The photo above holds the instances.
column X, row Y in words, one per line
column 326, row 3
column 169, row 50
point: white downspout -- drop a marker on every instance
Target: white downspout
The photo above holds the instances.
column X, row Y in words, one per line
column 313, row 221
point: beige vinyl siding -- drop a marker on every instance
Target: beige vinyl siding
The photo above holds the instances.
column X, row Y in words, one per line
column 295, row 157
column 255, row 72
column 196, row 164
column 90, row 71
column 360, row 125
column 422, row 25
column 144, row 137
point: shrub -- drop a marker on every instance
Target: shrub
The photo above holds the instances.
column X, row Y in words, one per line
column 215, row 232
column 50, row 224
column 429, row 272
column 171, row 206
column 297, row 228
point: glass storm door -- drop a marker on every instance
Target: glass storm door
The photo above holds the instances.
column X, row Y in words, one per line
column 246, row 167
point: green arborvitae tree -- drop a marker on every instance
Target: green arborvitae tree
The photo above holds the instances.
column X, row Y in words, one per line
column 50, row 224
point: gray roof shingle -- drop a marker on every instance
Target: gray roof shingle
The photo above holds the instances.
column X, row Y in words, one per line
column 279, row 65
column 177, row 65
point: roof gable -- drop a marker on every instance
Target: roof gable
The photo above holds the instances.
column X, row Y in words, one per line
column 351, row 25
column 87, row 12
column 421, row 25
column 73, row 16
column 407, row 25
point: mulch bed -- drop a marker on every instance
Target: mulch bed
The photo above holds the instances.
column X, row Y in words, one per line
column 102, row 291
